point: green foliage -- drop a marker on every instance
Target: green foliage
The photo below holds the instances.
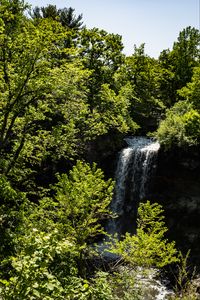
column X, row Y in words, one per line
column 102, row 289
column 61, row 87
column 65, row 15
column 32, row 279
column 121, row 285
column 185, row 55
column 143, row 75
column 9, row 196
column 53, row 244
column 179, row 64
column 148, row 247
column 185, row 280
column 181, row 126
column 84, row 197
column 110, row 113
column 41, row 100
column 12, row 208
column 192, row 90
column 53, row 241
column 45, row 268
column 101, row 53
column 109, row 106
column 77, row 210
column 24, row 72
column 50, row 106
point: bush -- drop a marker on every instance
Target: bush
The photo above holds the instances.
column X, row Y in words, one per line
column 148, row 247
column 181, row 127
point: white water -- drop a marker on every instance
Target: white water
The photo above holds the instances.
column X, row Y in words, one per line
column 135, row 166
column 144, row 151
column 153, row 289
column 134, row 170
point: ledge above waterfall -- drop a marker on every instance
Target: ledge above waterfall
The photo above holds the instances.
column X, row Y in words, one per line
column 142, row 143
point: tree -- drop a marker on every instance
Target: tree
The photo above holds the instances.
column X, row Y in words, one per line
column 80, row 205
column 44, row 268
column 111, row 113
column 180, row 62
column 69, row 19
column 191, row 91
column 84, row 197
column 54, row 237
column 185, row 55
column 53, row 241
column 181, row 127
column 12, row 207
column 143, row 75
column 47, row 112
column 166, row 79
column 102, row 54
column 50, row 11
column 65, row 16
column 148, row 247
column 109, row 106
column 41, row 99
column 45, row 263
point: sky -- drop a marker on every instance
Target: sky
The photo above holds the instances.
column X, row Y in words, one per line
column 156, row 23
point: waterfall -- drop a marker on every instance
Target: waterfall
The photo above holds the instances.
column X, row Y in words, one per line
column 134, row 170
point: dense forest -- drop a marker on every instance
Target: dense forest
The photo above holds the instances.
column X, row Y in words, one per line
column 68, row 97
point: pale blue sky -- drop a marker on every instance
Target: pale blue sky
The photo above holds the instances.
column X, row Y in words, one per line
column 156, row 23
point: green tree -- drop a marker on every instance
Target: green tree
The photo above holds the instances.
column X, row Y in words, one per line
column 12, row 207
column 191, row 91
column 180, row 62
column 40, row 99
column 102, row 54
column 50, row 11
column 181, row 127
column 69, row 19
column 109, row 106
column 84, row 197
column 52, row 243
column 64, row 15
column 148, row 247
column 166, row 79
column 143, row 75
column 185, row 55
column 80, row 205
column 110, row 114
column 44, row 268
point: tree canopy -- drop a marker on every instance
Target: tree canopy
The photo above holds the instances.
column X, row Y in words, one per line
column 68, row 97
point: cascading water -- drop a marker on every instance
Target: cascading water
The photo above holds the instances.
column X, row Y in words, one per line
column 134, row 170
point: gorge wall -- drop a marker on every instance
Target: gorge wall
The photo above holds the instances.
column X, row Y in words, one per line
column 176, row 185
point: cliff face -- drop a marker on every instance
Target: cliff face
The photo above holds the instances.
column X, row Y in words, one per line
column 176, row 186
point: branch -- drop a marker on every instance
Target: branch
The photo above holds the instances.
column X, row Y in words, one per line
column 16, row 155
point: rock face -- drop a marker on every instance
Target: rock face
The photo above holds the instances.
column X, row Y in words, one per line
column 176, row 186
